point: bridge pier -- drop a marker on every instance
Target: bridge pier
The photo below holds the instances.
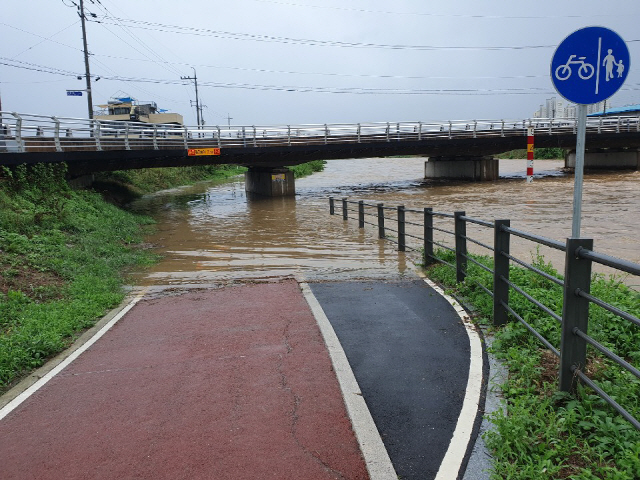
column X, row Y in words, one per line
column 477, row 169
column 606, row 159
column 270, row 181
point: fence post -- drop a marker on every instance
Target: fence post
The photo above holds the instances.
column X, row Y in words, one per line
column 361, row 214
column 461, row 246
column 344, row 208
column 57, row 134
column 332, row 206
column 428, row 236
column 155, row 137
column 381, row 233
column 127, row 143
column 401, row 235
column 96, row 134
column 575, row 312
column 19, row 139
column 500, row 272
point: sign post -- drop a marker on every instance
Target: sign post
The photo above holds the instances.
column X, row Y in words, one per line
column 589, row 66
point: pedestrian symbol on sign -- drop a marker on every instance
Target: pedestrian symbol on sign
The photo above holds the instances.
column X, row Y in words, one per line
column 609, row 62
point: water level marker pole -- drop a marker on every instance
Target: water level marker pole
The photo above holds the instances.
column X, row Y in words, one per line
column 530, row 133
column 579, row 171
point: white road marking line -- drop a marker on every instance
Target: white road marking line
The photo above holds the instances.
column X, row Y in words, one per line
column 373, row 450
column 13, row 404
column 452, row 461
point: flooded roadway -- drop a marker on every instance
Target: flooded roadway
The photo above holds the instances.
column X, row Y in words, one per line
column 211, row 233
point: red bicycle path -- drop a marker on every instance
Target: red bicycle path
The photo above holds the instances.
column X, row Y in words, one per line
column 229, row 383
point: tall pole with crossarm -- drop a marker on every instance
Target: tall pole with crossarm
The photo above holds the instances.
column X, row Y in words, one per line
column 86, row 60
column 198, row 107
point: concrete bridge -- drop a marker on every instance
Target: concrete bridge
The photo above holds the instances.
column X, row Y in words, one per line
column 456, row 149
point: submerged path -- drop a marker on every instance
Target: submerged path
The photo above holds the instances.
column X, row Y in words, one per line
column 237, row 383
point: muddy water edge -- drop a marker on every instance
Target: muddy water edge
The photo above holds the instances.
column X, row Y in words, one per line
column 214, row 233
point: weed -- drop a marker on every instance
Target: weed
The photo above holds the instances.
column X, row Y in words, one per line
column 546, row 434
column 62, row 253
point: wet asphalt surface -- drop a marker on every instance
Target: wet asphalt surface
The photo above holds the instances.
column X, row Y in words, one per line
column 410, row 354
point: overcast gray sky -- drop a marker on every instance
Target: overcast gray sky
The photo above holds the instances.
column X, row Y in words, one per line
column 302, row 61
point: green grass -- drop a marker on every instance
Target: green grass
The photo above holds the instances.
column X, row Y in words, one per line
column 126, row 185
column 546, row 434
column 148, row 180
column 538, row 154
column 62, row 257
column 309, row 168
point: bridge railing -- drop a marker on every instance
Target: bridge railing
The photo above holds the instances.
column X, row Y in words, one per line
column 429, row 230
column 39, row 133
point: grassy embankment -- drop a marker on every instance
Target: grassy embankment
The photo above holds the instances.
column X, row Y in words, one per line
column 308, row 168
column 545, row 434
column 127, row 184
column 61, row 257
column 538, row 154
column 64, row 253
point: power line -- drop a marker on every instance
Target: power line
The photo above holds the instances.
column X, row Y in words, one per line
column 301, row 89
column 46, row 39
column 40, row 36
column 163, row 63
column 335, row 74
column 305, row 41
column 423, row 14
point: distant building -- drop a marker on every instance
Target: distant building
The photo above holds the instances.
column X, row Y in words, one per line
column 558, row 109
column 128, row 109
column 614, row 112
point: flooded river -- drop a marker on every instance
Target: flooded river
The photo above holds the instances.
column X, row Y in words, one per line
column 211, row 233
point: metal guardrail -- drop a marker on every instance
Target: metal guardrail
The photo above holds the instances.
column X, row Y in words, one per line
column 21, row 132
column 576, row 284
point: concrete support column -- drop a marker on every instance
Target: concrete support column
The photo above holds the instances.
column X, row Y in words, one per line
column 270, row 182
column 459, row 167
column 607, row 159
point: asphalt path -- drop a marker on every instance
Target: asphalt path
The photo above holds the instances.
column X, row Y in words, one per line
column 410, row 354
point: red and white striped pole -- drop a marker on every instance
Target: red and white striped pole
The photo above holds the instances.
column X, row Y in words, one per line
column 530, row 132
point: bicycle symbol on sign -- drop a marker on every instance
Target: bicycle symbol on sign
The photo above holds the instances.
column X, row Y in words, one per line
column 585, row 71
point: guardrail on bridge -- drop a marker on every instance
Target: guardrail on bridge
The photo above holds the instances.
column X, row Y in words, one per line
column 40, row 133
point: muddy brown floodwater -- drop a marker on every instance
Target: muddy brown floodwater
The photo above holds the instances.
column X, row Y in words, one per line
column 211, row 233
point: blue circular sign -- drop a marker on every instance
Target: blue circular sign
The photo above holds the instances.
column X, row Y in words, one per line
column 590, row 65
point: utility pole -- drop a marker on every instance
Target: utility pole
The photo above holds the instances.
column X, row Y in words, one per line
column 229, row 118
column 198, row 107
column 86, row 60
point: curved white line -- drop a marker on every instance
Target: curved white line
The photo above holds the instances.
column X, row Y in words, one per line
column 452, row 461
column 373, row 450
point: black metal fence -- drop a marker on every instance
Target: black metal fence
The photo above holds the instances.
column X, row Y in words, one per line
column 579, row 258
